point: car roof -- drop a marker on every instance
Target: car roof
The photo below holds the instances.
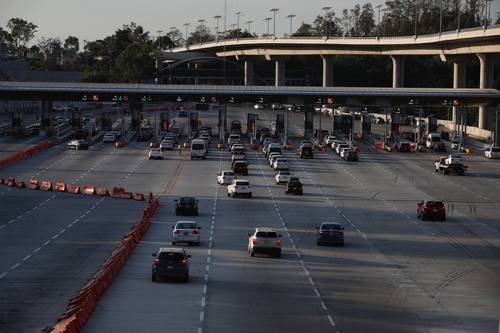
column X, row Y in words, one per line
column 186, row 197
column 192, row 222
column 264, row 229
column 241, row 180
column 332, row 223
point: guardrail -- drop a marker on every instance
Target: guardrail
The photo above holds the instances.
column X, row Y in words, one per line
column 4, row 128
column 30, row 129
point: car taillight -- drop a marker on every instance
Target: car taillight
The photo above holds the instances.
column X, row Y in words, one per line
column 177, row 232
column 195, row 232
column 157, row 260
column 183, row 261
column 254, row 241
column 278, row 242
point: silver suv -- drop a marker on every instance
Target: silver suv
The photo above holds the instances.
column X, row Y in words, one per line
column 264, row 240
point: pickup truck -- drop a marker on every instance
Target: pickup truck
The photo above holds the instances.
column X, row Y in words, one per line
column 441, row 165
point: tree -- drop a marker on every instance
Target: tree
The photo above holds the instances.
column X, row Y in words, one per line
column 200, row 35
column 21, row 32
column 72, row 43
column 366, row 20
column 305, row 30
column 135, row 63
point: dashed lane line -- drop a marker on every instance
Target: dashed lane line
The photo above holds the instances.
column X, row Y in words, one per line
column 45, row 244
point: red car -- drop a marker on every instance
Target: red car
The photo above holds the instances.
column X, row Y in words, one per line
column 427, row 210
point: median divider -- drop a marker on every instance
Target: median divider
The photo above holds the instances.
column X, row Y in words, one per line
column 139, row 197
column 89, row 190
column 60, row 187
column 102, row 192
column 20, row 184
column 46, row 186
column 34, row 184
column 11, row 181
column 11, row 160
column 75, row 189
column 1, row 181
column 81, row 306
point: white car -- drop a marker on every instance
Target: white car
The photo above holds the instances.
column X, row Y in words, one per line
column 341, row 146
column 282, row 177
column 238, row 157
column 453, row 159
column 280, row 164
column 492, row 152
column 345, row 152
column 155, row 154
column 237, row 146
column 329, row 139
column 225, row 177
column 272, row 159
column 239, row 187
column 186, row 232
column 205, row 136
column 166, row 145
column 335, row 143
column 109, row 137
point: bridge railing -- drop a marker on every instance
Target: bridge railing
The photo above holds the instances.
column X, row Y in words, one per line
column 340, row 38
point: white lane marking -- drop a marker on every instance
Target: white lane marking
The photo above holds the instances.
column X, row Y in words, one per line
column 15, row 266
column 27, row 257
column 204, row 289
column 3, row 274
column 37, row 249
column 317, row 292
column 203, row 302
column 46, row 243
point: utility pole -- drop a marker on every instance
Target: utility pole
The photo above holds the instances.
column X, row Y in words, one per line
column 440, row 17
column 238, row 24
column 249, row 23
column 458, row 15
column 201, row 30
column 416, row 16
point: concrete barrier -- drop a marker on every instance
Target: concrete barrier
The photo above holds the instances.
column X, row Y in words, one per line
column 60, row 187
column 46, row 186
column 34, row 184
column 75, row 189
column 89, row 190
column 102, row 192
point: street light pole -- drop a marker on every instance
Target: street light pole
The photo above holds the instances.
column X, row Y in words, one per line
column 249, row 23
column 274, row 10
column 378, row 24
column 217, row 18
column 458, row 15
column 201, row 30
column 291, row 16
column 416, row 14
column 268, row 19
column 238, row 25
column 440, row 16
column 186, row 25
column 327, row 25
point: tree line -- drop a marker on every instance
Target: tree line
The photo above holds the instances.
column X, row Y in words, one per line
column 130, row 54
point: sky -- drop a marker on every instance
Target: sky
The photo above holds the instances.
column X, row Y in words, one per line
column 96, row 19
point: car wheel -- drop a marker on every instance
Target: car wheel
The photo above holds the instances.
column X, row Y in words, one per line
column 228, row 194
column 176, row 212
column 423, row 217
column 443, row 218
column 318, row 243
column 250, row 196
column 278, row 254
column 173, row 243
column 186, row 278
column 153, row 278
column 252, row 254
column 234, row 195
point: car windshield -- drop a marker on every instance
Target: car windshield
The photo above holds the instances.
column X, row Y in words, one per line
column 242, row 183
column 435, row 203
column 198, row 146
column 187, row 200
column 190, row 226
column 495, row 150
column 331, row 226
column 284, row 173
column 266, row 234
column 228, row 173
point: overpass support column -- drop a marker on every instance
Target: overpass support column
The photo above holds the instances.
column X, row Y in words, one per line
column 485, row 81
column 45, row 116
column 398, row 71
column 327, row 70
column 136, row 110
column 459, row 75
column 248, row 73
column 279, row 79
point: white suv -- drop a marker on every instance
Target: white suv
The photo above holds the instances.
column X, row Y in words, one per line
column 239, row 187
column 492, row 152
column 264, row 240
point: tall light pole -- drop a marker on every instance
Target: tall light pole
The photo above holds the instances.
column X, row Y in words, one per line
column 458, row 15
column 172, row 41
column 274, row 10
column 249, row 23
column 488, row 12
column 378, row 21
column 238, row 14
column 291, row 16
column 416, row 15
column 327, row 25
column 440, row 16
column 186, row 25
column 268, row 19
column 201, row 30
column 217, row 18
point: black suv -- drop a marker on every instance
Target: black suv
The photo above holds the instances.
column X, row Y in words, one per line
column 240, row 167
column 294, row 186
column 186, row 206
column 306, row 152
column 170, row 262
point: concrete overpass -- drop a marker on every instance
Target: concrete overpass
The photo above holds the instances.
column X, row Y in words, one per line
column 454, row 46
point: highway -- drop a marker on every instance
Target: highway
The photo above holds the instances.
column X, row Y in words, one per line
column 394, row 274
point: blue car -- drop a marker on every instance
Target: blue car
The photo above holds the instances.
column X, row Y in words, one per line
column 330, row 233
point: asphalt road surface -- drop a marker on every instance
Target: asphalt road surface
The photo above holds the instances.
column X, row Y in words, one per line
column 394, row 274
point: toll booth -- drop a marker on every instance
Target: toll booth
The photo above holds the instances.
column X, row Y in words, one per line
column 193, row 121
column 106, row 121
column 308, row 121
column 251, row 122
column 342, row 124
column 280, row 124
